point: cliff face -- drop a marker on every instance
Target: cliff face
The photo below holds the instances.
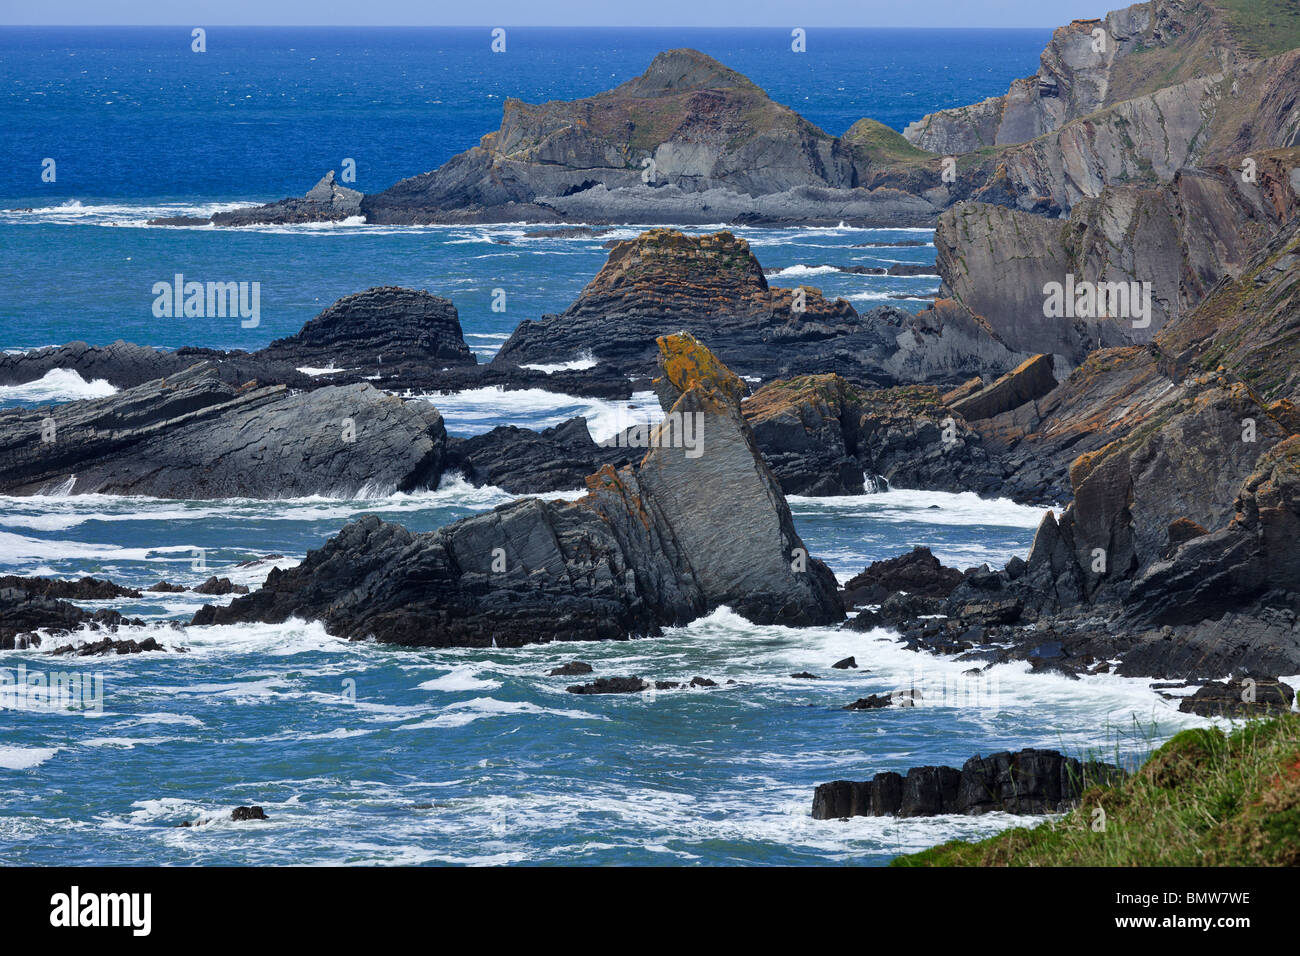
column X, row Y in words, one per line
column 1178, row 239
column 1143, row 48
column 1177, row 84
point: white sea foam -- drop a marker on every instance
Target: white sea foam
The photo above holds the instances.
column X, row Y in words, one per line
column 25, row 758
column 478, row 410
column 802, row 270
column 584, row 361
column 899, row 505
column 465, row 712
column 460, row 679
column 57, row 385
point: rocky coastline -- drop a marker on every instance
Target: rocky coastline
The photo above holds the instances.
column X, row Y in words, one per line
column 1161, row 427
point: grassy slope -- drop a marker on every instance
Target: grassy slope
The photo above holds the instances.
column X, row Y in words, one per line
column 1263, row 27
column 878, row 144
column 1203, row 799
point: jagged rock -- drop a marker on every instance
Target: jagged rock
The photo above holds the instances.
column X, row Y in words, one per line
column 327, row 201
column 386, row 326
column 687, row 141
column 823, row 436
column 848, row 663
column 711, row 286
column 1027, row 782
column 611, row 685
column 81, row 589
column 807, row 431
column 805, row 675
column 107, row 646
column 571, row 669
column 244, row 814
column 216, row 585
column 23, row 612
column 918, row 572
column 388, row 337
column 633, row 556
column 195, row 436
column 166, row 587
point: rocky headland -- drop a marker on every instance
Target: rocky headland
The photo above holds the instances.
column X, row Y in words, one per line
column 1136, row 98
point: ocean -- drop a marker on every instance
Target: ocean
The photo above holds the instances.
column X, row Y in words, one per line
column 365, row 754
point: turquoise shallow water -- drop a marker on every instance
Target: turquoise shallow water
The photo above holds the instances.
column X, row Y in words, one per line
column 367, row 754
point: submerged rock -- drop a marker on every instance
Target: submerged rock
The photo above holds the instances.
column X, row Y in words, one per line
column 611, row 685
column 571, row 669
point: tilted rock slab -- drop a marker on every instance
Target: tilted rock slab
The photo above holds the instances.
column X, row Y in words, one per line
column 196, row 436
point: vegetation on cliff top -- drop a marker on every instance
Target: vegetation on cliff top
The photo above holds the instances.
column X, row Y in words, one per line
column 1203, row 799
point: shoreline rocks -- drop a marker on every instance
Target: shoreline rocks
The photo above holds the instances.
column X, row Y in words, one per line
column 1027, row 782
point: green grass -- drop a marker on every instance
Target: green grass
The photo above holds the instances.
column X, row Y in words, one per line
column 880, row 145
column 1203, row 799
column 1263, row 27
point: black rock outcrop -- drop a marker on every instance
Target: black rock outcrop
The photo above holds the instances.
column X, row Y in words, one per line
column 1027, row 782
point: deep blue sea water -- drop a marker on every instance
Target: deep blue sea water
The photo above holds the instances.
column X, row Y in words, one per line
column 367, row 754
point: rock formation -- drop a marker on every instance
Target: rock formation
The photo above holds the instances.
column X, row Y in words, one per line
column 714, row 287
column 1027, row 782
column 392, row 338
column 1151, row 90
column 327, row 201
column 194, row 435
column 1174, row 554
column 1153, row 251
column 648, row 547
column 822, row 435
